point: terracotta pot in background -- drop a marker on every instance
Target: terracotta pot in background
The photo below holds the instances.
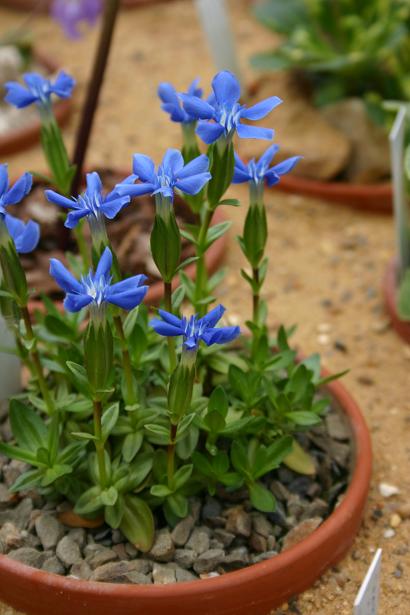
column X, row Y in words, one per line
column 401, row 327
column 21, row 138
column 254, row 590
column 374, row 198
column 44, row 5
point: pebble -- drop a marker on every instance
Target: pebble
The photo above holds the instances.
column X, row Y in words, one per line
column 199, row 541
column 11, row 537
column 209, row 560
column 20, row 515
column 395, row 520
column 29, row 556
column 261, row 525
column 301, row 531
column 258, row 543
column 237, row 558
column 68, row 551
column 185, row 557
column 238, row 521
column 182, row 531
column 184, row 576
column 49, row 530
column 389, row 533
column 387, row 491
column 81, row 570
column 123, row 572
column 79, row 535
column 163, row 574
column 163, row 548
column 13, row 470
column 53, row 564
column 404, row 511
column 224, row 537
column 101, row 557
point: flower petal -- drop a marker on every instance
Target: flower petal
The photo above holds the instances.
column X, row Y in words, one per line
column 18, row 96
column 197, row 165
column 20, row 189
column 171, row 319
column 112, row 207
column 193, row 184
column 128, row 284
column 173, row 161
column 63, row 85
column 75, row 216
column 144, row 168
column 75, row 303
column 59, row 199
column 4, row 179
column 226, row 88
column 221, row 335
column 197, row 108
column 267, row 157
column 104, row 265
column 261, row 109
column 163, row 328
column 135, row 189
column 214, row 316
column 64, row 278
column 254, row 132
column 127, row 300
column 286, row 165
column 209, row 132
column 94, row 185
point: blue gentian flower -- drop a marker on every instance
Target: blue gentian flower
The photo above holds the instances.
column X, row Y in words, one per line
column 93, row 203
column 172, row 174
column 259, row 171
column 96, row 288
column 195, row 329
column 222, row 114
column 71, row 13
column 24, row 235
column 38, row 90
column 172, row 102
column 12, row 195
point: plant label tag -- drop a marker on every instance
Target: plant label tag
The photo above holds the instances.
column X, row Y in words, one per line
column 214, row 19
column 401, row 213
column 367, row 600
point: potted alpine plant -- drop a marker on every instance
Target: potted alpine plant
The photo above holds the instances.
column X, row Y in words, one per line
column 185, row 455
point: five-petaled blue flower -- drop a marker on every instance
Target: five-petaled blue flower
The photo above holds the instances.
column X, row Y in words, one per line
column 38, row 90
column 259, row 171
column 221, row 115
column 172, row 102
column 195, row 329
column 92, row 203
column 71, row 13
column 24, row 235
column 96, row 288
column 171, row 174
column 12, row 195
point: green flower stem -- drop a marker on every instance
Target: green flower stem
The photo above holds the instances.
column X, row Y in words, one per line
column 171, row 453
column 201, row 273
column 35, row 357
column 255, row 296
column 99, row 444
column 126, row 362
column 171, row 340
column 82, row 245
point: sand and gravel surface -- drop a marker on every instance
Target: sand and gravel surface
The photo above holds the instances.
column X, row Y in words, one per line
column 326, row 267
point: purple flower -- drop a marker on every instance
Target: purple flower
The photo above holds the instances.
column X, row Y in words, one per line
column 96, row 288
column 195, row 329
column 172, row 174
column 71, row 13
column 24, row 235
column 11, row 195
column 222, row 114
column 172, row 101
column 259, row 171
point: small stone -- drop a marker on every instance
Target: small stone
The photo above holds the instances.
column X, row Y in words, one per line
column 131, row 550
column 123, row 572
column 101, row 557
column 11, row 537
column 224, row 537
column 261, row 557
column 211, row 509
column 395, row 521
column 238, row 522
column 79, row 535
column 389, row 533
column 49, row 530
column 261, row 525
column 117, row 537
column 13, row 470
column 163, row 548
column 404, row 511
column 29, row 556
column 163, row 574
column 182, row 531
column 121, row 551
column 317, row 508
column 68, row 551
column 301, row 531
column 336, row 427
column 199, row 540
column 53, row 564
column 271, row 543
column 387, row 491
column 20, row 515
column 185, row 557
column 184, row 576
column 6, row 497
column 209, row 560
column 258, row 543
column 237, row 558
column 81, row 570
column 279, row 490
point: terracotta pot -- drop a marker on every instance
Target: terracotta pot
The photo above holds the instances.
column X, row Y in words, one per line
column 390, row 296
column 22, row 138
column 254, row 590
column 376, row 198
column 44, row 5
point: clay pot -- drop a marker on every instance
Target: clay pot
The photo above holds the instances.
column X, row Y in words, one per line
column 22, row 138
column 44, row 5
column 375, row 198
column 256, row 589
column 389, row 289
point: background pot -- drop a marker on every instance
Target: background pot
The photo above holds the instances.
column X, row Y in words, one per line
column 44, row 5
column 376, row 198
column 22, row 138
column 254, row 590
column 390, row 298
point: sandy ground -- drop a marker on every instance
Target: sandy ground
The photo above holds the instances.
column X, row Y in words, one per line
column 326, row 266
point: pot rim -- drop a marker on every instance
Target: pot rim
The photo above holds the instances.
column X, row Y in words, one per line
column 354, row 496
column 23, row 137
column 389, row 288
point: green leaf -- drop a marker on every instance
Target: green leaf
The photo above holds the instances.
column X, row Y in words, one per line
column 83, row 435
column 182, row 476
column 109, row 420
column 178, row 504
column 160, row 491
column 28, row 428
column 231, row 202
column 113, row 514
column 109, row 496
column 131, row 446
column 26, row 481
column 89, row 502
column 59, row 327
column 80, row 378
column 216, row 231
column 261, row 498
column 137, row 523
column 300, row 461
column 301, row 417
column 54, row 473
column 17, row 453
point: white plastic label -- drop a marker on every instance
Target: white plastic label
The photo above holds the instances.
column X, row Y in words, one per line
column 367, row 600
